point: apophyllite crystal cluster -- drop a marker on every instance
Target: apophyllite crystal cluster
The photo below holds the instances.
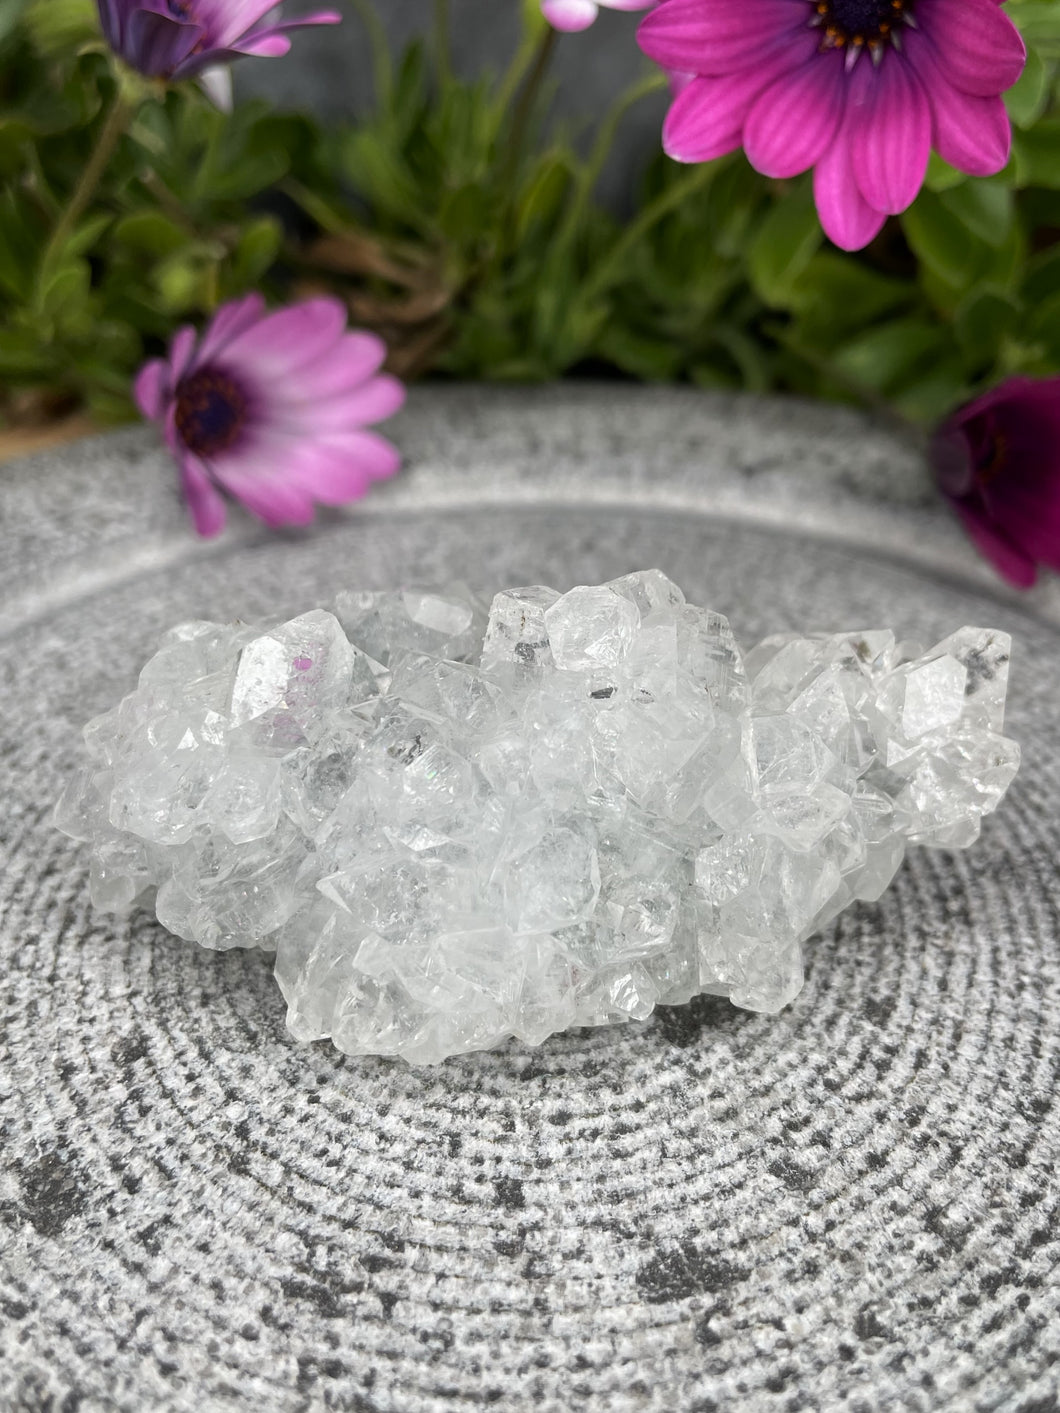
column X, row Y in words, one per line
column 454, row 827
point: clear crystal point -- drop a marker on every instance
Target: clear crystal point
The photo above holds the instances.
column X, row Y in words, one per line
column 454, row 829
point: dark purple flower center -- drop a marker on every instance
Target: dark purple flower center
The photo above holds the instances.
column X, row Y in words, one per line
column 211, row 411
column 992, row 457
column 180, row 9
column 861, row 22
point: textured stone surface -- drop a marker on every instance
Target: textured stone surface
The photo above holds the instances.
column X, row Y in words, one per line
column 850, row 1205
column 455, row 828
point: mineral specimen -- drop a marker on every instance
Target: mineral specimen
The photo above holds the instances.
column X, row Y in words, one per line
column 455, row 827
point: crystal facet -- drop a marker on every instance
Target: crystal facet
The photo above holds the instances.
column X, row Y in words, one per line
column 454, row 827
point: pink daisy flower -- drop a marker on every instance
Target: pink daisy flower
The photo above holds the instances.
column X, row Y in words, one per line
column 859, row 90
column 572, row 15
column 271, row 410
column 178, row 39
column 998, row 463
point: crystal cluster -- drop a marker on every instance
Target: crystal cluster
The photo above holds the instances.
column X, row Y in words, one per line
column 455, row 827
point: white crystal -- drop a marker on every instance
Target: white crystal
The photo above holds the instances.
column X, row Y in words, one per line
column 591, row 627
column 453, row 830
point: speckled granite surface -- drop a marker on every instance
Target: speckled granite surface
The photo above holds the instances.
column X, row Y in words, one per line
column 852, row 1205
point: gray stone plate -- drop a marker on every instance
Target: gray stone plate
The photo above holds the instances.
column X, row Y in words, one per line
column 850, row 1205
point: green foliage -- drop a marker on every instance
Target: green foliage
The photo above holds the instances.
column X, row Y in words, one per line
column 468, row 232
column 173, row 228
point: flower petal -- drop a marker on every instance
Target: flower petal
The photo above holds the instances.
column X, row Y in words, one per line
column 978, row 47
column 891, row 140
column 216, row 83
column 1023, row 497
column 1010, row 561
column 373, row 453
column 373, row 401
column 715, row 38
column 570, row 16
column 707, row 116
column 268, row 44
column 268, row 492
column 111, row 21
column 333, row 476
column 353, row 360
column 796, row 119
column 848, row 219
column 156, row 45
column 226, row 20
column 289, row 339
column 205, row 504
column 973, row 134
column 318, row 17
column 152, row 388
column 231, row 319
column 951, row 457
column 181, row 352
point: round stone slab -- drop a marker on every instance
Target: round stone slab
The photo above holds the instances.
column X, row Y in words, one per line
column 848, row 1204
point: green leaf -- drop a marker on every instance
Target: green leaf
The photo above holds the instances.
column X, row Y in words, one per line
column 934, row 392
column 1037, row 153
column 982, row 322
column 1043, row 327
column 185, row 281
column 61, row 26
column 653, row 360
column 1027, row 101
column 88, row 233
column 10, row 14
column 939, row 238
column 150, row 232
column 384, row 182
column 1038, row 21
column 543, row 196
column 1043, row 277
column 19, row 248
column 737, row 196
column 836, row 296
column 984, row 207
column 466, row 215
column 941, row 176
column 256, row 250
column 747, row 355
column 888, row 358
column 24, row 354
column 65, row 298
column 786, row 242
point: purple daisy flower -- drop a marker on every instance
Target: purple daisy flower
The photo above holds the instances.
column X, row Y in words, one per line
column 998, row 462
column 177, row 39
column 860, row 90
column 572, row 15
column 271, row 409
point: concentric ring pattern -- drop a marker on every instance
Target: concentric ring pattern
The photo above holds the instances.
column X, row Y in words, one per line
column 852, row 1205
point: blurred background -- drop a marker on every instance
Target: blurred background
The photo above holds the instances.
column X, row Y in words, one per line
column 490, row 199
column 329, row 72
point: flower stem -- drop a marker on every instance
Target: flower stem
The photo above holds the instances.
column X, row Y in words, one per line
column 524, row 108
column 514, row 74
column 382, row 61
column 114, row 124
column 442, row 56
column 594, row 163
column 609, row 268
